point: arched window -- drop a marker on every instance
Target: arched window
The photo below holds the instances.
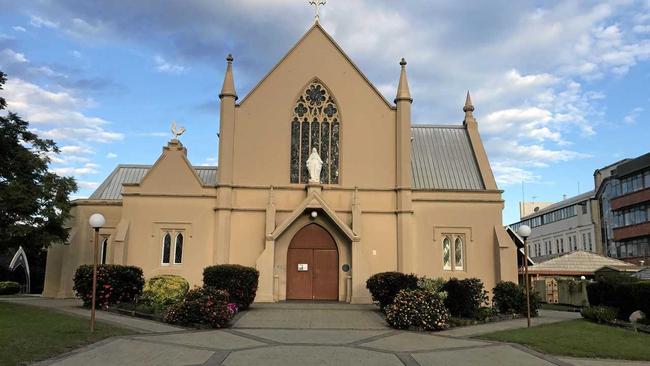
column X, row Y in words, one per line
column 178, row 249
column 446, row 253
column 166, row 248
column 458, row 254
column 104, row 251
column 315, row 124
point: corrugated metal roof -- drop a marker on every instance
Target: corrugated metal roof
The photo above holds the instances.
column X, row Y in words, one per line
column 111, row 188
column 442, row 158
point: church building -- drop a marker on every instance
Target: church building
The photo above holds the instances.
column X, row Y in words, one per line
column 321, row 183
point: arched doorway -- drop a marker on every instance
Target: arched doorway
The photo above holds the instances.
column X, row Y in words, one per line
column 312, row 265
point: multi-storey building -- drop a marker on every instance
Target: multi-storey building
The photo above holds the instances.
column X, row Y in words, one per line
column 565, row 226
column 624, row 196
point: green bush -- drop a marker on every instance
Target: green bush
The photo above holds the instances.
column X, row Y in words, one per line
column 623, row 293
column 464, row 297
column 419, row 309
column 433, row 285
column 385, row 286
column 599, row 314
column 165, row 289
column 239, row 281
column 510, row 298
column 9, row 288
column 115, row 284
column 202, row 306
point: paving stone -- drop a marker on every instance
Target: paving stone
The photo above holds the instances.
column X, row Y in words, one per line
column 410, row 342
column 601, row 362
column 313, row 335
column 131, row 352
column 211, row 339
column 497, row 355
column 311, row 355
column 305, row 319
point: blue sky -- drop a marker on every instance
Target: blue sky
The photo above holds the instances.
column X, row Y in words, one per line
column 560, row 88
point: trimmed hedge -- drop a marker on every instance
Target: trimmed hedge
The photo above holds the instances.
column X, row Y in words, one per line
column 628, row 296
column 239, row 281
column 9, row 288
column 510, row 298
column 465, row 297
column 202, row 306
column 115, row 284
column 165, row 289
column 599, row 314
column 419, row 309
column 385, row 286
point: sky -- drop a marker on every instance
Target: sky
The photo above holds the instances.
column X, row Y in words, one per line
column 560, row 88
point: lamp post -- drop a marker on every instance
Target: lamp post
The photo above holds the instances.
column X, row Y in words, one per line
column 96, row 221
column 524, row 232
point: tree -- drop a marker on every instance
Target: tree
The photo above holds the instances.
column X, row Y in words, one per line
column 34, row 203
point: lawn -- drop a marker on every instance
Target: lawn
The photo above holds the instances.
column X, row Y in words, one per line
column 29, row 333
column 580, row 338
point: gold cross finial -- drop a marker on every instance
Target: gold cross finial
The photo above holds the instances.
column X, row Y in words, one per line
column 317, row 5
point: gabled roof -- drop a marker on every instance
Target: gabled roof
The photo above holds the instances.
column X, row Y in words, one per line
column 111, row 188
column 442, row 158
column 576, row 263
column 317, row 27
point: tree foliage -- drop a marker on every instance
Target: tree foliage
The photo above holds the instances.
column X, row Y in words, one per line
column 34, row 203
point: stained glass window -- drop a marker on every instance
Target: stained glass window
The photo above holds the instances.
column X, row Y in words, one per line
column 458, row 254
column 315, row 124
column 446, row 253
column 166, row 249
column 178, row 249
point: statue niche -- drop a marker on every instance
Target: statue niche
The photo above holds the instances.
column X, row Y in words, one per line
column 315, row 127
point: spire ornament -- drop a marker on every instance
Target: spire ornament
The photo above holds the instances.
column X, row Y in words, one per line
column 317, row 4
column 177, row 131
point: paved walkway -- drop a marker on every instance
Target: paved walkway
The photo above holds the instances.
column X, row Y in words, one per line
column 316, row 334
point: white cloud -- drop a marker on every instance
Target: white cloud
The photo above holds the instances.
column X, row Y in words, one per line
column 632, row 116
column 163, row 65
column 154, row 134
column 76, row 53
column 84, row 184
column 210, row 161
column 10, row 56
column 640, row 28
column 111, row 155
column 39, row 22
column 18, row 28
column 88, row 168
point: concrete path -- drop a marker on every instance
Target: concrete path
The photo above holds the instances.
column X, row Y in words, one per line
column 318, row 334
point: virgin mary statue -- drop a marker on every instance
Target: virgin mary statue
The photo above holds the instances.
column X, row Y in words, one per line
column 314, row 165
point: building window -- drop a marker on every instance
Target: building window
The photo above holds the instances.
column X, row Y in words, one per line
column 453, row 256
column 166, row 248
column 172, row 247
column 178, row 249
column 458, row 254
column 591, row 249
column 315, row 124
column 104, row 251
column 446, row 253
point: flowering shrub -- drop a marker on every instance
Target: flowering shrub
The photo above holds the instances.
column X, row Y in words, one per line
column 510, row 298
column 433, row 285
column 599, row 314
column 385, row 286
column 202, row 306
column 418, row 309
column 464, row 297
column 164, row 289
column 9, row 288
column 239, row 281
column 115, row 284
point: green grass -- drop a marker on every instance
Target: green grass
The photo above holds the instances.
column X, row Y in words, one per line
column 580, row 338
column 560, row 307
column 29, row 334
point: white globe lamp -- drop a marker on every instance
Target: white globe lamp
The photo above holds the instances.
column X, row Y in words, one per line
column 524, row 231
column 96, row 220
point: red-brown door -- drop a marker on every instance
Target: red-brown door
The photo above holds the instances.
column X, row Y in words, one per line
column 312, row 265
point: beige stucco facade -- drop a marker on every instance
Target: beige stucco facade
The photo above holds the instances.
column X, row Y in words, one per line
column 378, row 217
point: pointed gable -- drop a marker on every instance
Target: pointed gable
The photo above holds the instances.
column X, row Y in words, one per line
column 172, row 173
column 320, row 49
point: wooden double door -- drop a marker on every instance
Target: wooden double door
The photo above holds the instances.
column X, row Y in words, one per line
column 312, row 265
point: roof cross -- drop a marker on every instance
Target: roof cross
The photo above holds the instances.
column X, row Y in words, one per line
column 317, row 5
